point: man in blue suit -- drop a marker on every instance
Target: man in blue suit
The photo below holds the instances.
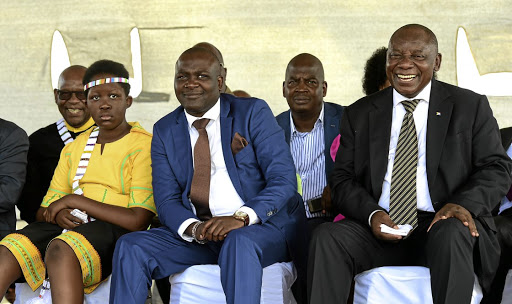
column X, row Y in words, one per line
column 253, row 216
column 310, row 127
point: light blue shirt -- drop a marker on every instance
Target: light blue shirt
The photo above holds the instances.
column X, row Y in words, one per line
column 505, row 203
column 308, row 152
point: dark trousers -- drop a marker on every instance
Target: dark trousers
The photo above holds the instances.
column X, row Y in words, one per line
column 504, row 228
column 158, row 253
column 338, row 251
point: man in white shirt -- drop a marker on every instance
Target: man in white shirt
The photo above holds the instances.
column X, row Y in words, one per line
column 225, row 190
column 421, row 153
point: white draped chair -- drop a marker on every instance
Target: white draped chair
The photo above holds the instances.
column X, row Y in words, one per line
column 399, row 284
column 201, row 284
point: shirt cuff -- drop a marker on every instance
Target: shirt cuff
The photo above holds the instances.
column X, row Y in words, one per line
column 253, row 218
column 183, row 227
column 370, row 217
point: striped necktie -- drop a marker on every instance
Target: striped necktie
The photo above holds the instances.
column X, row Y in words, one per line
column 200, row 188
column 402, row 207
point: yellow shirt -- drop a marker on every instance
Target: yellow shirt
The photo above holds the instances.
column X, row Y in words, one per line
column 119, row 176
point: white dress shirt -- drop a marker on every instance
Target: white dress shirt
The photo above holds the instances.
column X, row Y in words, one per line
column 224, row 200
column 420, row 115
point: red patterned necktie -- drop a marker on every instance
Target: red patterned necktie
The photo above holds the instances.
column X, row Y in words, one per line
column 200, row 189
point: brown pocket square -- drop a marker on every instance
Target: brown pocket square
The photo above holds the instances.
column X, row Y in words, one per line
column 238, row 143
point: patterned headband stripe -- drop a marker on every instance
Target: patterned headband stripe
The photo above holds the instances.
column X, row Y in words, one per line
column 106, row 80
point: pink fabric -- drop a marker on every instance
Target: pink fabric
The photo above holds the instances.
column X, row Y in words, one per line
column 338, row 217
column 334, row 147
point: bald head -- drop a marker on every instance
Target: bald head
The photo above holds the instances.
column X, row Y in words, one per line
column 71, row 73
column 210, row 47
column 408, row 28
column 306, row 60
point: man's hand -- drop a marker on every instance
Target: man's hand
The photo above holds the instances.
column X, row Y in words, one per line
column 326, row 200
column 217, row 228
column 67, row 221
column 379, row 218
column 459, row 212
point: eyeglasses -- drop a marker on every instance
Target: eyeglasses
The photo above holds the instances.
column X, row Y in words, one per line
column 66, row 95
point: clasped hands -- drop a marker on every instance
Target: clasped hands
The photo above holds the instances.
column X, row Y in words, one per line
column 59, row 212
column 449, row 210
column 215, row 229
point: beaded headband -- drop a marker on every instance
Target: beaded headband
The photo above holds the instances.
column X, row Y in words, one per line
column 106, row 80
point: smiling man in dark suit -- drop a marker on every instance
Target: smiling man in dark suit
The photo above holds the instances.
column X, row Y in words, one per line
column 422, row 153
column 225, row 191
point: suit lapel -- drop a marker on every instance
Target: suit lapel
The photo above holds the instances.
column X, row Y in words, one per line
column 439, row 115
column 226, row 134
column 181, row 138
column 379, row 136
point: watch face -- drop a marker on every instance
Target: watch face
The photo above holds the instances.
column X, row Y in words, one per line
column 240, row 213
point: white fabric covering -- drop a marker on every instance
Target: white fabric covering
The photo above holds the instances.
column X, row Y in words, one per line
column 507, row 292
column 399, row 284
column 201, row 284
column 25, row 295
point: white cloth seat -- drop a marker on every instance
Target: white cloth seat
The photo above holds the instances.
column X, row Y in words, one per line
column 201, row 284
column 399, row 284
column 24, row 294
column 507, row 291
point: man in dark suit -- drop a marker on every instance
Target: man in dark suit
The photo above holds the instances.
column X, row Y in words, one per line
column 13, row 163
column 503, row 218
column 251, row 191
column 309, row 127
column 449, row 175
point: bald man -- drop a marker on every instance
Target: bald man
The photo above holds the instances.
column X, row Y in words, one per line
column 310, row 126
column 46, row 143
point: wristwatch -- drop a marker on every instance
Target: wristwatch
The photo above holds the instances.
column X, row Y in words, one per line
column 242, row 216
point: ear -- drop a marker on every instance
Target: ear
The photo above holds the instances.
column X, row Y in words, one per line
column 129, row 101
column 324, row 88
column 56, row 94
column 283, row 89
column 437, row 62
column 220, row 81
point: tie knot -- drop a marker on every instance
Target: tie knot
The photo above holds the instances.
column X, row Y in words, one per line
column 410, row 105
column 200, row 123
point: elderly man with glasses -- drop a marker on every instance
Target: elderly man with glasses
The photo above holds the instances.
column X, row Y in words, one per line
column 46, row 143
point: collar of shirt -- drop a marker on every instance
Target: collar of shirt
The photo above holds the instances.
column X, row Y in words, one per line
column 423, row 95
column 212, row 114
column 318, row 121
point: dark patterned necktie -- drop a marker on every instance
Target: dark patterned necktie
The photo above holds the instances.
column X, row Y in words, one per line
column 402, row 207
column 200, row 189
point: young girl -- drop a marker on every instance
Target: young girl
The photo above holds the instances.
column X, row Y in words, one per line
column 106, row 174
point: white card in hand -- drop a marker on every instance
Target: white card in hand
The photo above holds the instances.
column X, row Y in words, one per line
column 402, row 230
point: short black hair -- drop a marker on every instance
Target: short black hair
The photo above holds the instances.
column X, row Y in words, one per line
column 375, row 71
column 106, row 66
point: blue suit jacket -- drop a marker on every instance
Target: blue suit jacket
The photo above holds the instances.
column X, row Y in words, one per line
column 262, row 173
column 332, row 117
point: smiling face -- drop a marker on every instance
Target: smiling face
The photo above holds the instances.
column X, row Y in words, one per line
column 412, row 58
column 67, row 97
column 304, row 87
column 107, row 104
column 197, row 81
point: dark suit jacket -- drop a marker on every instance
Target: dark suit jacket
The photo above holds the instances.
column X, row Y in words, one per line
column 13, row 162
column 332, row 117
column 262, row 173
column 466, row 163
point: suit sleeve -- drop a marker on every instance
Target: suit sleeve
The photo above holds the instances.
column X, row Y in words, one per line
column 490, row 178
column 348, row 195
column 13, row 162
column 166, row 188
column 275, row 162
